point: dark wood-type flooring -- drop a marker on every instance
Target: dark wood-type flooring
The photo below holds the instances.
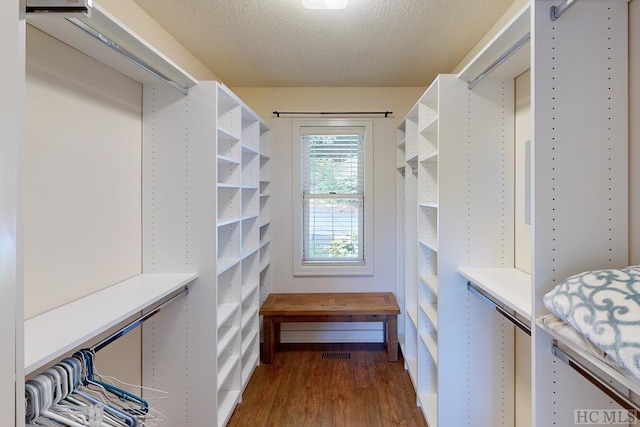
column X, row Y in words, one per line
column 300, row 388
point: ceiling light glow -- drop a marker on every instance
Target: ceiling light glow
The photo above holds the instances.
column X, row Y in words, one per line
column 324, row 4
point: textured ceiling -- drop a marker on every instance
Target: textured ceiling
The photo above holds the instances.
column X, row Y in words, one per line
column 370, row 43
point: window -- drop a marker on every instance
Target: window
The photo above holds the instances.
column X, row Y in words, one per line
column 333, row 232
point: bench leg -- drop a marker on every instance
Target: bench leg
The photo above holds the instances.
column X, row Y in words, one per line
column 392, row 338
column 276, row 335
column 267, row 347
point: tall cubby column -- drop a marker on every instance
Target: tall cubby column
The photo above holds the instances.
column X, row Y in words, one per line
column 202, row 212
column 265, row 213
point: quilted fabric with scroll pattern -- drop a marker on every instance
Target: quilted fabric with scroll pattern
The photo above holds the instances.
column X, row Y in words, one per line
column 603, row 305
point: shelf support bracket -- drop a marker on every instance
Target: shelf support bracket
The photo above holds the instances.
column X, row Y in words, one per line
column 557, row 11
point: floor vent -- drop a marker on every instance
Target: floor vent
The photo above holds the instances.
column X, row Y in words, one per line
column 336, row 356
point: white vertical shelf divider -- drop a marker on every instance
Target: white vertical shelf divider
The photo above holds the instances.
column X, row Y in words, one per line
column 400, row 232
column 579, row 93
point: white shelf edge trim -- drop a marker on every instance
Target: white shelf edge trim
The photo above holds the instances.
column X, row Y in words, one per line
column 45, row 339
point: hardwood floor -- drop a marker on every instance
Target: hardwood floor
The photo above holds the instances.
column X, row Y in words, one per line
column 300, row 388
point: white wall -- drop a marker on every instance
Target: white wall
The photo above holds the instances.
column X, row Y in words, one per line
column 82, row 196
column 399, row 100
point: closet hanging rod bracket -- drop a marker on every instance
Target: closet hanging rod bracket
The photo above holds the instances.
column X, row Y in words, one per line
column 557, row 11
column 334, row 113
column 501, row 60
column 124, row 52
column 509, row 316
column 594, row 378
column 128, row 328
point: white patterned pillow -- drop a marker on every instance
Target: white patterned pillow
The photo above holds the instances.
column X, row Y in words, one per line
column 603, row 305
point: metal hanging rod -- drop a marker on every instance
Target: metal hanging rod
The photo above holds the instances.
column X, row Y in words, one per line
column 557, row 11
column 131, row 57
column 498, row 62
column 111, row 338
column 340, row 113
column 594, row 378
column 511, row 317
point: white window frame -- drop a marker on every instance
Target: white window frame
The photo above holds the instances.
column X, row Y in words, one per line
column 344, row 268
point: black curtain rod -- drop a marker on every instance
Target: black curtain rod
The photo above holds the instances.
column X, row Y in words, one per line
column 386, row 113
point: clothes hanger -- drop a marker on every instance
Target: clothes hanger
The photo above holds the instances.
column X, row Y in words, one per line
column 120, row 393
column 46, row 388
column 76, row 365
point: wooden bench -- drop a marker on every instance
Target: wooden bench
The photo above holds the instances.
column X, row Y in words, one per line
column 330, row 307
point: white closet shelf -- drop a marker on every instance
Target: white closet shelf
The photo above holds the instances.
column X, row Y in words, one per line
column 429, row 205
column 227, row 185
column 430, row 243
column 227, row 400
column 224, row 134
column 517, row 64
column 429, row 403
column 430, row 340
column 431, row 311
column 431, row 127
column 250, row 216
column 50, row 335
column 246, row 343
column 264, row 265
column 226, row 263
column 402, row 143
column 247, row 315
column 413, row 315
column 247, row 290
column 227, row 159
column 265, row 194
column 430, row 281
column 250, row 187
column 509, row 286
column 107, row 25
column 247, row 370
column 412, row 367
column 225, row 336
column 430, row 158
column 248, row 149
column 230, row 221
column 225, row 311
column 225, row 369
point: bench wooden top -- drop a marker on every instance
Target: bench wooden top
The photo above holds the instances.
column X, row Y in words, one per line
column 327, row 304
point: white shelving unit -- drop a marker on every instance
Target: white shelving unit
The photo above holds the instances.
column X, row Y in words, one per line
column 579, row 91
column 45, row 341
column 227, row 233
column 439, row 193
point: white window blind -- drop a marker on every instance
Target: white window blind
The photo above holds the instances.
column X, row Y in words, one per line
column 333, row 192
